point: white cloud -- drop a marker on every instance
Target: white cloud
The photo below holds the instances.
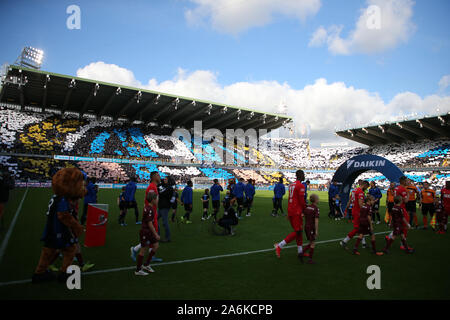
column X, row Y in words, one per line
column 444, row 83
column 382, row 25
column 321, row 105
column 235, row 16
column 108, row 73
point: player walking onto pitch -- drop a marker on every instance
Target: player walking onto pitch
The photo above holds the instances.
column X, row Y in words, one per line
column 427, row 204
column 122, row 207
column 155, row 179
column 311, row 214
column 279, row 190
column 296, row 207
column 358, row 201
column 366, row 225
column 441, row 216
column 411, row 204
column 399, row 222
column 249, row 195
column 148, row 236
column 445, row 199
column 375, row 192
column 186, row 201
column 205, row 202
column 216, row 188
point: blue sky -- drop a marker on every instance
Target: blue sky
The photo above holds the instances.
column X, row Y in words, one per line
column 153, row 39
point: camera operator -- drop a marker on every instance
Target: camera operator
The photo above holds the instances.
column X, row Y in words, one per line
column 165, row 191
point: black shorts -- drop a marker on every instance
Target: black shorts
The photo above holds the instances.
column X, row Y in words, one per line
column 216, row 204
column 411, row 206
column 206, row 205
column 174, row 205
column 240, row 201
column 249, row 202
column 428, row 208
column 188, row 206
column 122, row 205
column 376, row 206
column 390, row 205
column 131, row 204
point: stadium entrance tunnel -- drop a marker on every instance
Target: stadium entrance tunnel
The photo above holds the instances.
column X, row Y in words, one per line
column 347, row 173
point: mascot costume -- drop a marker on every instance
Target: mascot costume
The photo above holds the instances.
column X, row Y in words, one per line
column 62, row 228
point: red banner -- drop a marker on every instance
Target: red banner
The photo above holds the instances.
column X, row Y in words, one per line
column 97, row 219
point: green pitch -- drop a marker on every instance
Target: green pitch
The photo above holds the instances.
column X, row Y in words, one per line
column 251, row 275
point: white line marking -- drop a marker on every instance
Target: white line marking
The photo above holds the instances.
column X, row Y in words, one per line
column 11, row 227
column 181, row 261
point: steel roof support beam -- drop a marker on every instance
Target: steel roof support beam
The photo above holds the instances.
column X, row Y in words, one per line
column 436, row 129
column 401, row 134
column 184, row 109
column 384, row 135
column 140, row 114
column 211, row 124
column 108, row 104
column 164, row 108
column 354, row 138
column 417, row 132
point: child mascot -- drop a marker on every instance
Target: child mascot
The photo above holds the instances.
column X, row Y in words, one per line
column 62, row 228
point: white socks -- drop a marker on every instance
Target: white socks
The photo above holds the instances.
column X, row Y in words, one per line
column 282, row 244
column 300, row 249
column 137, row 248
column 347, row 239
column 364, row 240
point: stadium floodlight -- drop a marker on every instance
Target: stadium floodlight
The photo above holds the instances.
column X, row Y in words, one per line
column 209, row 108
column 118, row 91
column 30, row 57
column 420, row 123
column 138, row 96
column 96, row 88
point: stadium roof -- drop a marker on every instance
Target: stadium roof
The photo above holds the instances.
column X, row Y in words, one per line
column 29, row 87
column 410, row 130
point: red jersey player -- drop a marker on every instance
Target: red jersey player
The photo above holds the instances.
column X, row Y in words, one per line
column 365, row 225
column 148, row 236
column 358, row 202
column 155, row 179
column 311, row 215
column 441, row 216
column 401, row 191
column 296, row 206
column 445, row 199
column 399, row 222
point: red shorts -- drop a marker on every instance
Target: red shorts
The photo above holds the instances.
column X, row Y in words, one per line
column 146, row 238
column 398, row 229
column 364, row 229
column 310, row 234
column 355, row 221
column 296, row 222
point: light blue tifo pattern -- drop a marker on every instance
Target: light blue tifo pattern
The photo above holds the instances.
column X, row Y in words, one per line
column 439, row 151
column 98, row 145
column 216, row 173
column 144, row 170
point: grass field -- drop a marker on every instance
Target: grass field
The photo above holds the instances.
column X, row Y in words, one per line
column 255, row 275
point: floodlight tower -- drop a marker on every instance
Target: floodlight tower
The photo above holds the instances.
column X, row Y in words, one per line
column 30, row 57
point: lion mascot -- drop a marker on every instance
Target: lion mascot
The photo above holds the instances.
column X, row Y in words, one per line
column 62, row 228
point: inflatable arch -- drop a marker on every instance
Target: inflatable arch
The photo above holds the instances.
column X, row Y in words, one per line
column 347, row 173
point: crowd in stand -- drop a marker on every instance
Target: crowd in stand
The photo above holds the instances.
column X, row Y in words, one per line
column 48, row 134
